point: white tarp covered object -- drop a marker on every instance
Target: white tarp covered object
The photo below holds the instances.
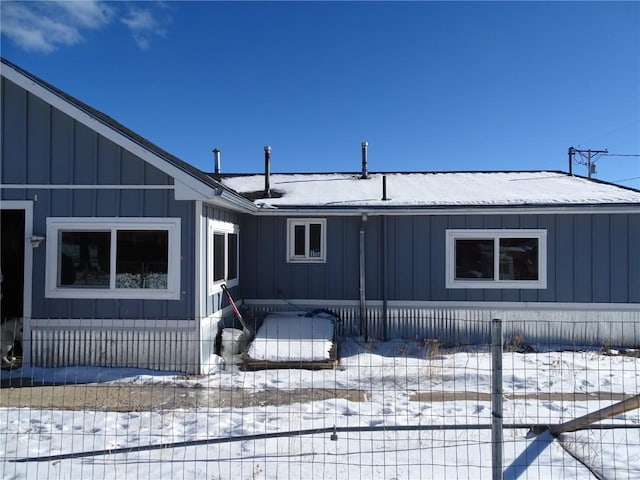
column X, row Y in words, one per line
column 293, row 336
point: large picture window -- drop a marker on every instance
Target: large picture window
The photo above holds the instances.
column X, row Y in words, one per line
column 496, row 259
column 113, row 258
column 223, row 255
column 306, row 240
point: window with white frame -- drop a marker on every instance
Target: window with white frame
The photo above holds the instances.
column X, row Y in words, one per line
column 496, row 258
column 306, row 240
column 223, row 254
column 113, row 258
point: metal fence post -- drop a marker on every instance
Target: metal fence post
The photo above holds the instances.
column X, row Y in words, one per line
column 496, row 398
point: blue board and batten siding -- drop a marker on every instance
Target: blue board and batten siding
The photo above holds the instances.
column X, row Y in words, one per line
column 265, row 273
column 43, row 146
column 591, row 258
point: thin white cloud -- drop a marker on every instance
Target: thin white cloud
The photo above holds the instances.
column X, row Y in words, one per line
column 46, row 26
column 29, row 26
column 145, row 23
column 87, row 14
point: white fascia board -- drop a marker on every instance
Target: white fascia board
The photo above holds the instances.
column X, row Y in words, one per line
column 226, row 199
column 432, row 211
column 196, row 188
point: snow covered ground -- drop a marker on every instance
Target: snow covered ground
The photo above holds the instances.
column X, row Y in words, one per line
column 402, row 429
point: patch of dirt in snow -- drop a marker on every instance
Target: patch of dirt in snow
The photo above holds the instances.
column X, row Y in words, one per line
column 136, row 398
column 486, row 397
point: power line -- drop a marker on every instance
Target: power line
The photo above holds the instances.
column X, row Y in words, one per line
column 626, row 179
column 621, row 154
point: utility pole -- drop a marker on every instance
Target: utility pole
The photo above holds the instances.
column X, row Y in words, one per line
column 589, row 159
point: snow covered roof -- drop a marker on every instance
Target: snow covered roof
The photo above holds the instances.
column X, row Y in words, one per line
column 424, row 190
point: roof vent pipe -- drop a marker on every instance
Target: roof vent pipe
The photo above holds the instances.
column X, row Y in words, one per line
column 365, row 172
column 216, row 164
column 267, row 171
column 384, row 188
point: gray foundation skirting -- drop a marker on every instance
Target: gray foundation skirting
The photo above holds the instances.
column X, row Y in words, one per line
column 154, row 349
column 617, row 326
column 164, row 347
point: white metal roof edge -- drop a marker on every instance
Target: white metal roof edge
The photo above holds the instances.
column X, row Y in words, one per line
column 448, row 210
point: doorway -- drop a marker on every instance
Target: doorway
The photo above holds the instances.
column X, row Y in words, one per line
column 12, row 251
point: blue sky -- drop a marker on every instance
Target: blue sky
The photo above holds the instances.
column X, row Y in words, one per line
column 430, row 85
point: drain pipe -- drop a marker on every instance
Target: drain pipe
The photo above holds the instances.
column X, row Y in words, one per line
column 363, row 291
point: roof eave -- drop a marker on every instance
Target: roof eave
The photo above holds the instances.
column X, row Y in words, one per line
column 548, row 209
column 234, row 201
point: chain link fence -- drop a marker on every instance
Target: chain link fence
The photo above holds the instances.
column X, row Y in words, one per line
column 506, row 407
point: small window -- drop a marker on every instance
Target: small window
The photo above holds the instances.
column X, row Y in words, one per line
column 118, row 258
column 299, row 241
column 496, row 258
column 219, row 257
column 306, row 240
column 223, row 255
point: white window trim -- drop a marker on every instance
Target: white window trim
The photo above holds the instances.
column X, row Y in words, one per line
column 291, row 224
column 496, row 234
column 55, row 225
column 217, row 226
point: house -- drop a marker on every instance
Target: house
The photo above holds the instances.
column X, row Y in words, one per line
column 114, row 251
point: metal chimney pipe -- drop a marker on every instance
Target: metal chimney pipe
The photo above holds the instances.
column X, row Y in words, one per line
column 267, row 171
column 365, row 172
column 216, row 164
column 384, row 188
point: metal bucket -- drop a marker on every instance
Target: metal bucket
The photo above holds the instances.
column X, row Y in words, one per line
column 233, row 343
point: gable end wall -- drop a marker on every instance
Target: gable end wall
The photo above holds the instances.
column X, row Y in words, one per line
column 69, row 170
